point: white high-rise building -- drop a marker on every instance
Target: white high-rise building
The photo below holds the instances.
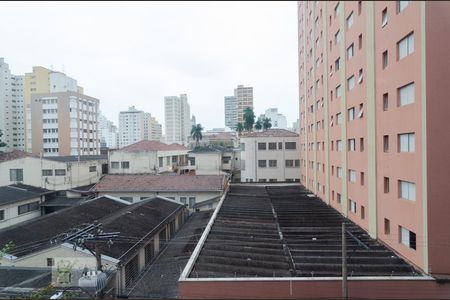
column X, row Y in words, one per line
column 276, row 119
column 177, row 119
column 152, row 129
column 108, row 132
column 131, row 126
column 11, row 109
column 230, row 112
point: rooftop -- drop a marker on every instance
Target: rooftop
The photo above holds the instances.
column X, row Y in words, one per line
column 16, row 154
column 19, row 192
column 74, row 158
column 148, row 146
column 160, row 183
column 275, row 132
column 280, row 231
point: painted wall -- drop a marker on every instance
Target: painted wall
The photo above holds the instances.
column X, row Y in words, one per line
column 11, row 213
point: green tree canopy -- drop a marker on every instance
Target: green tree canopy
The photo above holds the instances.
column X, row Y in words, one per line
column 196, row 133
column 266, row 123
column 249, row 119
column 239, row 128
column 258, row 125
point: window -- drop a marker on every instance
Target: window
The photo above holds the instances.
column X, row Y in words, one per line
column 289, row 163
column 361, row 176
column 262, row 146
column 352, row 175
column 352, row 206
column 407, row 142
column 350, row 52
column 242, row 146
column 407, row 237
column 93, row 169
column 262, row 163
column 183, row 200
column 361, row 144
column 339, row 172
column 338, row 91
column 386, row 143
column 272, row 146
column 273, row 180
column 386, row 185
column 60, row 172
column 385, row 59
column 384, row 18
column 385, row 102
column 290, row 145
column 15, row 174
column 2, row 215
column 29, row 207
column 406, row 94
column 273, row 163
column 46, row 172
column 337, row 64
column 351, row 114
column 192, row 201
column 360, row 76
column 297, row 163
column 338, row 119
column 350, row 20
column 363, row 212
column 115, row 164
column 338, row 196
column 337, row 37
column 125, row 165
column 361, row 111
column 360, row 41
column 280, row 145
column 351, row 82
column 407, row 190
column 351, row 145
column 337, row 9
column 262, row 180
column 339, row 145
column 401, row 5
column 387, row 226
column 50, row 262
column 405, row 46
column 161, row 162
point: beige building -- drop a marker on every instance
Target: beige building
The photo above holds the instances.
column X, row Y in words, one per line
column 147, row 157
column 177, row 114
column 42, row 81
column 53, row 173
column 65, row 123
column 373, row 119
column 244, row 99
column 270, row 156
column 214, row 160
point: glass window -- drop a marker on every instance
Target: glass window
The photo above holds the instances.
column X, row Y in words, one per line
column 351, row 145
column 401, row 5
column 272, row 146
column 350, row 20
column 407, row 237
column 337, row 37
column 273, row 163
column 160, row 162
column 350, row 52
column 60, row 172
column 406, row 94
column 262, row 146
column 29, row 207
column 183, row 200
column 351, row 82
column 2, row 215
column 289, row 163
column 262, row 163
column 384, row 18
column 191, row 202
column 125, row 165
column 352, row 175
column 405, row 46
column 15, row 174
column 115, row 165
column 297, row 163
column 46, row 172
column 351, row 114
column 93, row 169
column 407, row 190
column 290, row 145
column 407, row 142
column 338, row 91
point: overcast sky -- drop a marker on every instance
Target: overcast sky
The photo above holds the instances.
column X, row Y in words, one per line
column 136, row 53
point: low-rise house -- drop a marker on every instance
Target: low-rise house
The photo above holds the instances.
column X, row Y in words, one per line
column 19, row 203
column 225, row 139
column 213, row 160
column 147, row 157
column 270, row 156
column 54, row 173
column 185, row 189
column 143, row 230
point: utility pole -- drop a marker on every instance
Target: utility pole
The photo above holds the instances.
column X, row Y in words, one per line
column 344, row 264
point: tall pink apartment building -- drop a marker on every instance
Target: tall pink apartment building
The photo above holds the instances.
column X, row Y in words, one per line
column 374, row 128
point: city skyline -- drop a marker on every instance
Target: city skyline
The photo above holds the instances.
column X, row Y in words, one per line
column 210, row 62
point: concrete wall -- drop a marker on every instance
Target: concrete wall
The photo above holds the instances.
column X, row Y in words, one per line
column 12, row 213
column 251, row 155
column 77, row 173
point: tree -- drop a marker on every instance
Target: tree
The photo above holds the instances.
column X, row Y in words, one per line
column 196, row 133
column 239, row 128
column 249, row 119
column 2, row 144
column 258, row 125
column 266, row 123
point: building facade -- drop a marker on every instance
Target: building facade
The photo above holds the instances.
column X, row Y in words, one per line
column 152, row 129
column 230, row 112
column 244, row 99
column 270, row 156
column 276, row 119
column 177, row 119
column 64, row 123
column 108, row 132
column 372, row 111
column 131, row 126
column 11, row 108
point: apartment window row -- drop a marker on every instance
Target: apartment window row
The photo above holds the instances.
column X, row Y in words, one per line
column 49, row 172
column 273, row 146
column 405, row 236
column 406, row 142
column 406, row 189
column 29, row 207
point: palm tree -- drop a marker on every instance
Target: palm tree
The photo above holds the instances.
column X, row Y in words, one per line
column 266, row 123
column 258, row 125
column 196, row 133
column 249, row 119
column 239, row 128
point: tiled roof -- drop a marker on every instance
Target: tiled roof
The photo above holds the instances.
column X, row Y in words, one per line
column 17, row 193
column 159, row 183
column 16, row 154
column 271, row 133
column 147, row 146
